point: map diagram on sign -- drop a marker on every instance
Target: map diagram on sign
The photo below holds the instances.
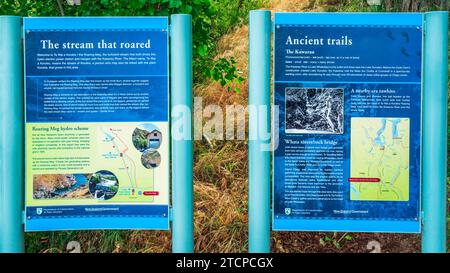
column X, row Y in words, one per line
column 379, row 162
column 116, row 148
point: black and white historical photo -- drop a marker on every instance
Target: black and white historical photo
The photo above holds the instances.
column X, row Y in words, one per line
column 314, row 110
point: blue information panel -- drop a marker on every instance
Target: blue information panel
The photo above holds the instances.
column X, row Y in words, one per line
column 97, row 123
column 349, row 92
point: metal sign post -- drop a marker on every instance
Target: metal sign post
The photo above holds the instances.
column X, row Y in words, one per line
column 259, row 160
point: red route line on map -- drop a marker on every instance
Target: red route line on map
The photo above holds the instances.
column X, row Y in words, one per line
column 117, row 136
column 364, row 179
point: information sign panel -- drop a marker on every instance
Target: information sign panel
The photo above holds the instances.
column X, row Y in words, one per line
column 349, row 91
column 97, row 123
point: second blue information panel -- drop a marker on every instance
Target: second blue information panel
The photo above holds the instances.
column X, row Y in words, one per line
column 349, row 90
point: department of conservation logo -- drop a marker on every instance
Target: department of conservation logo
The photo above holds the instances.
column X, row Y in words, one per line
column 287, row 211
column 38, row 211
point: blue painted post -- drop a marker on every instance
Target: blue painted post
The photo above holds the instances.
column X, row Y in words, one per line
column 182, row 156
column 258, row 158
column 11, row 135
column 435, row 132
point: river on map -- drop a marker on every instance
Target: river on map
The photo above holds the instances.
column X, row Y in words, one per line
column 81, row 180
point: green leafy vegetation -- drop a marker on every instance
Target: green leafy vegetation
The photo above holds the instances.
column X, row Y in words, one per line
column 348, row 6
column 210, row 19
column 386, row 5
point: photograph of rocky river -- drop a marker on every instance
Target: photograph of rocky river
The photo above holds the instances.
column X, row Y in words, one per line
column 56, row 186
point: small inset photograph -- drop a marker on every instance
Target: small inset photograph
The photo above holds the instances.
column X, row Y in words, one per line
column 61, row 186
column 151, row 159
column 314, row 110
column 103, row 185
column 146, row 136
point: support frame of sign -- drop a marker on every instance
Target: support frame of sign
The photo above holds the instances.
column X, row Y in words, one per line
column 434, row 126
column 11, row 146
